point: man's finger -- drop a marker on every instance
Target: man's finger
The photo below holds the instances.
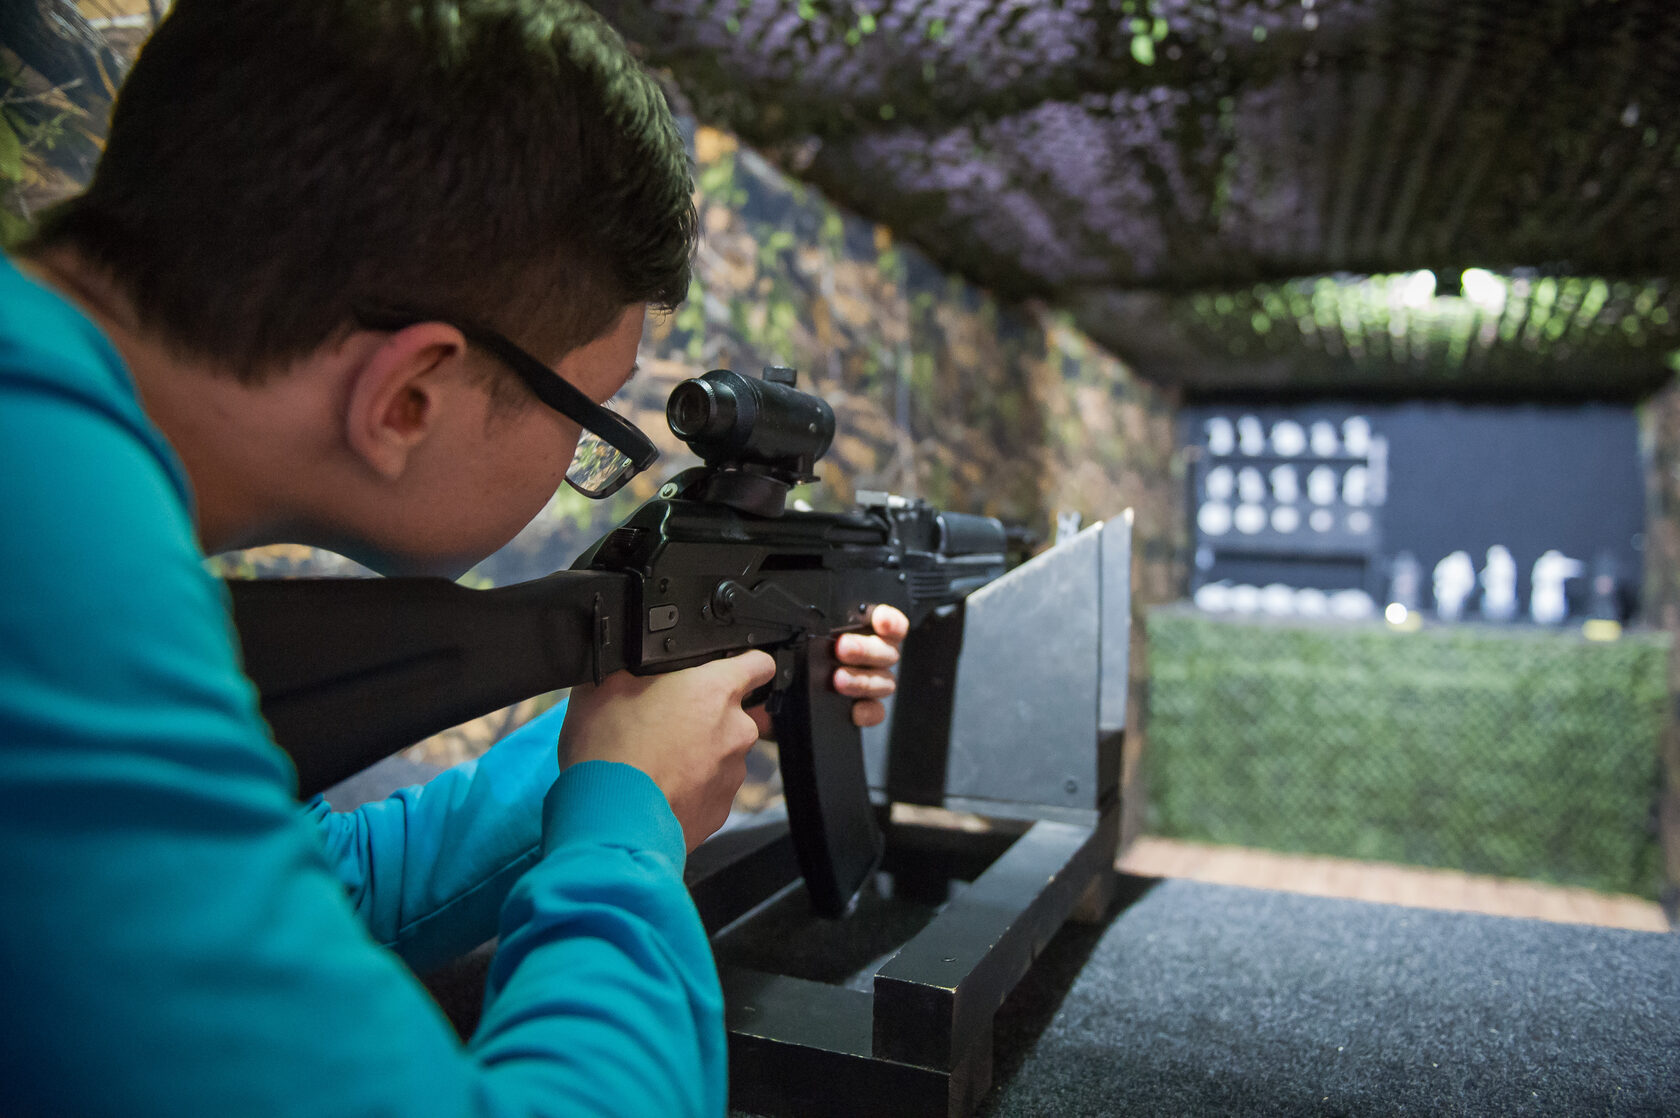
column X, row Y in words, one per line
column 868, row 712
column 890, row 622
column 857, row 684
column 862, row 651
column 750, row 670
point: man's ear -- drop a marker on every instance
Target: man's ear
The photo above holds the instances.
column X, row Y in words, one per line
column 396, row 393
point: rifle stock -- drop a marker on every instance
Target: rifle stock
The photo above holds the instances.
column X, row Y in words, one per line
column 350, row 670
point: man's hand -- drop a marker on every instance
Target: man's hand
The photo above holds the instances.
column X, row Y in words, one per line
column 865, row 673
column 686, row 730
column 867, row 661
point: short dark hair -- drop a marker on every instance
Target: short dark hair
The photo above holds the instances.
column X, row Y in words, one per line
column 272, row 164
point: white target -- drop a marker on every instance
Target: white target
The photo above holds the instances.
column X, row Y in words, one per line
column 1214, row 518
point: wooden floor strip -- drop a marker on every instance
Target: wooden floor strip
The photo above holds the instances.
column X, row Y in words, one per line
column 1389, row 884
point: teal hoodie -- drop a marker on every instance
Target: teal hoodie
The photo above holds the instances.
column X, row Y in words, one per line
column 178, row 936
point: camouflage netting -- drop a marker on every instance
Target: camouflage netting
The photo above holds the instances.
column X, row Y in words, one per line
column 1525, row 335
column 1114, row 155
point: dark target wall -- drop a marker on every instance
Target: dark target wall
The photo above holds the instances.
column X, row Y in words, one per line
column 1437, row 478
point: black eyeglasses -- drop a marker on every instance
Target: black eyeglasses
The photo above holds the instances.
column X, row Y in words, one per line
column 611, row 450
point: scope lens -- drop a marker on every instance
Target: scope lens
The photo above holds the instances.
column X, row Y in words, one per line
column 689, row 409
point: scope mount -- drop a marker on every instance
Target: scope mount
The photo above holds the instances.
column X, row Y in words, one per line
column 747, row 487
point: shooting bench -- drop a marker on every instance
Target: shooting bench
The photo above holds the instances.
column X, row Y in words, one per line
column 845, row 1017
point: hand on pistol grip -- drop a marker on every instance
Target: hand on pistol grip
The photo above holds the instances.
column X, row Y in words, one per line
column 864, row 673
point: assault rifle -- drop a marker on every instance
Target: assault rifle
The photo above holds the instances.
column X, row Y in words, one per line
column 351, row 670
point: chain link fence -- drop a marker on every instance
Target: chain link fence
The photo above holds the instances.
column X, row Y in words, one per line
column 1511, row 751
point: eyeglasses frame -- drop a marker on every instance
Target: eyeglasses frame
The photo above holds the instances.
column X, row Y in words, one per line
column 547, row 385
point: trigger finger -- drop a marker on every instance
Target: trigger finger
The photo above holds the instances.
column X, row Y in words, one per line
column 755, row 670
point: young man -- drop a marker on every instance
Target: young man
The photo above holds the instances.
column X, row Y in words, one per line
column 282, row 311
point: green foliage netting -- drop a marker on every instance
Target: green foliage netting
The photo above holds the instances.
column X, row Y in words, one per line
column 1136, row 161
column 1518, row 753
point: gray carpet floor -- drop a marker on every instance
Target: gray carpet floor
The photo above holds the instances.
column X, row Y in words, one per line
column 1196, row 999
column 1212, row 1000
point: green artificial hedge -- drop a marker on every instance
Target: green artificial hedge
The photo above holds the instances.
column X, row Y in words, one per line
column 1511, row 751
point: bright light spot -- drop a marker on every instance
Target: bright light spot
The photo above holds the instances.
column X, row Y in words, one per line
column 1418, row 288
column 1600, row 629
column 1395, row 613
column 1484, row 289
